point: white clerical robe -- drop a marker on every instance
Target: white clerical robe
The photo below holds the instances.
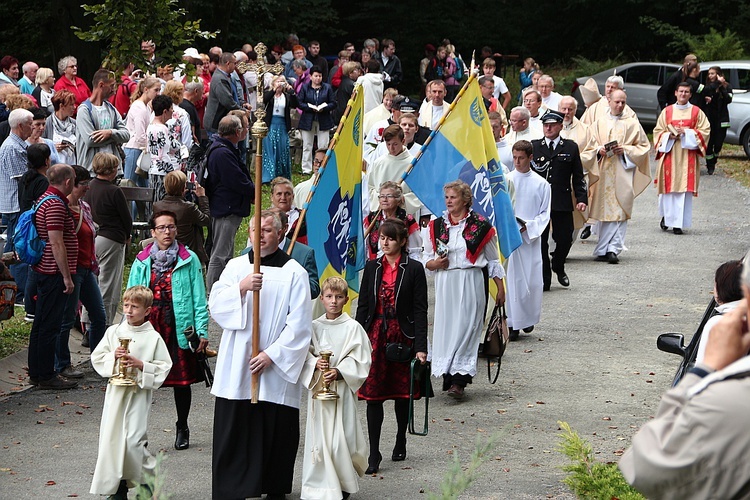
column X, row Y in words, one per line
column 524, row 282
column 335, row 446
column 123, row 433
column 601, row 108
column 391, row 168
column 285, row 331
column 505, row 145
column 380, row 113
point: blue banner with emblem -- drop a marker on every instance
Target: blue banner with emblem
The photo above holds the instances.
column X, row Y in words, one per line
column 334, row 214
column 463, row 147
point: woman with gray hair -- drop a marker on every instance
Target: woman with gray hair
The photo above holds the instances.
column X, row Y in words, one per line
column 302, row 75
column 462, row 252
column 69, row 80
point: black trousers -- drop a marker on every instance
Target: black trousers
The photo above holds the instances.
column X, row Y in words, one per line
column 254, row 449
column 561, row 223
column 715, row 142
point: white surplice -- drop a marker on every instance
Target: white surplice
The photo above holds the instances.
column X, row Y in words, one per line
column 335, row 447
column 285, row 331
column 123, row 433
column 524, row 282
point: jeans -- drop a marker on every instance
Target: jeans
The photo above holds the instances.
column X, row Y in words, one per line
column 87, row 291
column 224, row 231
column 131, row 161
column 46, row 328
column 19, row 271
column 30, row 292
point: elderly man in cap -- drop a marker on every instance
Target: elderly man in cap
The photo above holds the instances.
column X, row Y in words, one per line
column 559, row 162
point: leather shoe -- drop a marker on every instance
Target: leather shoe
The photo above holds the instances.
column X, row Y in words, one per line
column 586, row 232
column 85, row 340
column 182, row 439
column 662, row 225
column 562, row 278
column 677, row 230
column 612, row 258
column 373, row 463
column 70, row 372
column 546, row 287
column 456, row 392
column 57, row 382
column 601, row 258
column 529, row 329
column 512, row 334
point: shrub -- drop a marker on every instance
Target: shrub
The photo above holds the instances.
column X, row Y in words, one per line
column 587, row 477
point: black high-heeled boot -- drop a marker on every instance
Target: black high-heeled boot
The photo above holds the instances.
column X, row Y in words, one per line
column 182, row 439
column 399, row 451
column 373, row 463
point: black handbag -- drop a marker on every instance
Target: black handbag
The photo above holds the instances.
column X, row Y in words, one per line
column 203, row 365
column 397, row 352
column 420, row 376
column 495, row 340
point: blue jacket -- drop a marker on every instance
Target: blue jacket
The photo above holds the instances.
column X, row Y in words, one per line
column 230, row 189
column 188, row 290
column 308, row 95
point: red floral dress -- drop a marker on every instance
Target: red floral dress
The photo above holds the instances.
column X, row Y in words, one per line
column 184, row 362
column 387, row 380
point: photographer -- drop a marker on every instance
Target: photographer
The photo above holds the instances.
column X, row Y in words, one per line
column 191, row 218
column 696, row 446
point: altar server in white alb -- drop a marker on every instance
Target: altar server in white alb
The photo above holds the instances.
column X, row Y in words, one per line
column 622, row 172
column 531, row 205
column 335, row 447
column 680, row 137
column 255, row 445
column 123, row 435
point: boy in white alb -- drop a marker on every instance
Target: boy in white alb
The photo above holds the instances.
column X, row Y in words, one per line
column 335, row 446
column 123, row 457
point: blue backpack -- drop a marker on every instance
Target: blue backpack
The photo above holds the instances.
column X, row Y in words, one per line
column 26, row 241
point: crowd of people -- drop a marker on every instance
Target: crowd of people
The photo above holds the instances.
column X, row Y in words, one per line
column 68, row 144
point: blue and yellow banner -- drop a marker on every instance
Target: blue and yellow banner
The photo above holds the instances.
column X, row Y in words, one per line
column 334, row 213
column 463, row 147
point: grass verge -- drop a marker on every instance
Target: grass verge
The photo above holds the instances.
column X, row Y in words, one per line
column 14, row 334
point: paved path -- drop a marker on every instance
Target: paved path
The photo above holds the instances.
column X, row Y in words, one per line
column 592, row 361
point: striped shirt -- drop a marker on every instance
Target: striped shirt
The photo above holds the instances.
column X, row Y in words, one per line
column 54, row 215
column 13, row 164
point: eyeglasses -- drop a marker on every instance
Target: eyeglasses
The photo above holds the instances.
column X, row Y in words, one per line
column 166, row 229
column 387, row 197
column 317, row 162
column 72, row 65
column 530, row 101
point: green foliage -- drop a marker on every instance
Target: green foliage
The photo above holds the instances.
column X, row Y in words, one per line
column 153, row 487
column 715, row 46
column 584, row 66
column 587, row 477
column 123, row 24
column 712, row 46
column 459, row 478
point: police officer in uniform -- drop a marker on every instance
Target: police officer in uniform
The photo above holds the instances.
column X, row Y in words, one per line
column 558, row 160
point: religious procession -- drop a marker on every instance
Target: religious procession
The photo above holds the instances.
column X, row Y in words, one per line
column 454, row 203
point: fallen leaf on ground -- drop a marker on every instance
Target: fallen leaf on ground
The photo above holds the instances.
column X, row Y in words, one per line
column 606, row 418
column 50, row 483
column 540, row 402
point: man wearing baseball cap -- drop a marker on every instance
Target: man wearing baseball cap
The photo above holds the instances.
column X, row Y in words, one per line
column 559, row 162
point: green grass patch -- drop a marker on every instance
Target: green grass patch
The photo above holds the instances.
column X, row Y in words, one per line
column 14, row 334
column 735, row 164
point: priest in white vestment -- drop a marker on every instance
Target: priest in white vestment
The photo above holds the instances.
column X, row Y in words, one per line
column 680, row 137
column 531, row 206
column 622, row 173
column 519, row 130
column 597, row 105
column 255, row 445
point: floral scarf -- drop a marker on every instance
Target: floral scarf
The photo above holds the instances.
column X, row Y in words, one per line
column 163, row 260
column 477, row 232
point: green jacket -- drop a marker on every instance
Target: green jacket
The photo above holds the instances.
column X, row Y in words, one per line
column 188, row 290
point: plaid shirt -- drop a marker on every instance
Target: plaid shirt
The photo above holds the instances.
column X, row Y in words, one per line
column 13, row 164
